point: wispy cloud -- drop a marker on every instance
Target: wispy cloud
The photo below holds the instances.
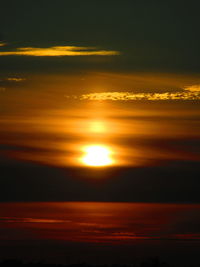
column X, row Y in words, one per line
column 12, row 79
column 7, row 81
column 15, row 79
column 29, row 220
column 193, row 88
column 59, row 51
column 129, row 96
column 2, row 44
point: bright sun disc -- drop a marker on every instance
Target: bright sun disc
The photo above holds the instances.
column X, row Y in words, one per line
column 97, row 156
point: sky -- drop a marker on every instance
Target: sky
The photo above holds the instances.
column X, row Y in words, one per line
column 122, row 75
column 152, row 36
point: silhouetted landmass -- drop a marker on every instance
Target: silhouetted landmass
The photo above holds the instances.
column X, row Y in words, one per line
column 148, row 263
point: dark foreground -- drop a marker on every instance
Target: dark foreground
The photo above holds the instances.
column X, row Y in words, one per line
column 148, row 263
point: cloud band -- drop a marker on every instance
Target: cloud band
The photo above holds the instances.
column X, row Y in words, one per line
column 59, row 51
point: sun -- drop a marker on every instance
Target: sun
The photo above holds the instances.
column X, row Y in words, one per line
column 97, row 156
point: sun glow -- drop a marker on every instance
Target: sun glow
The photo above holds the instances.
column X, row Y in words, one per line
column 97, row 156
column 97, row 127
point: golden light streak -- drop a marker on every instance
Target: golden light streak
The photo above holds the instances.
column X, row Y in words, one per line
column 58, row 51
column 15, row 79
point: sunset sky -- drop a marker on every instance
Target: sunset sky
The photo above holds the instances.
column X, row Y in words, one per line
column 99, row 130
column 119, row 77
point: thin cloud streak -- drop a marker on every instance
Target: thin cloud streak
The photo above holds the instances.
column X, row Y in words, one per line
column 59, row 51
column 15, row 79
column 129, row 96
column 29, row 220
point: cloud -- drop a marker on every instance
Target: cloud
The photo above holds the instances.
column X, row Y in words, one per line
column 193, row 88
column 6, row 82
column 130, row 96
column 15, row 79
column 29, row 220
column 12, row 79
column 59, row 51
column 2, row 44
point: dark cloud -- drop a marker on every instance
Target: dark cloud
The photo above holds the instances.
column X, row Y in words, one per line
column 175, row 181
